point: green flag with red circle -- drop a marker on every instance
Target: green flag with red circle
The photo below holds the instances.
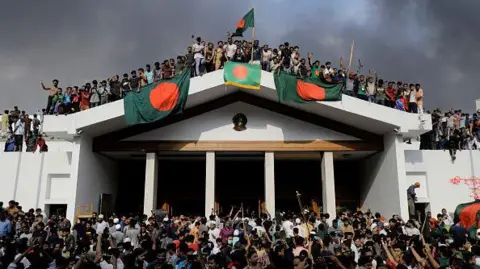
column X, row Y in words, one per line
column 242, row 75
column 468, row 215
column 246, row 22
column 290, row 88
column 158, row 100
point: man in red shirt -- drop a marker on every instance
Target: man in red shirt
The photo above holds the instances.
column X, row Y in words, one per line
column 390, row 93
column 41, row 144
column 85, row 97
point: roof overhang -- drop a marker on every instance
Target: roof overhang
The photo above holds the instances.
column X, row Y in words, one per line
column 350, row 111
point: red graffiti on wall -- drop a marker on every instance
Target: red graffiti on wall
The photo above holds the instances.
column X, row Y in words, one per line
column 473, row 184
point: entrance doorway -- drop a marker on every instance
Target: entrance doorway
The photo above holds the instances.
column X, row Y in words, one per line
column 239, row 178
column 181, row 185
column 302, row 175
column 55, row 209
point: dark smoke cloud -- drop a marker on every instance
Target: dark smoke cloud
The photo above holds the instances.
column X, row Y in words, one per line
column 432, row 42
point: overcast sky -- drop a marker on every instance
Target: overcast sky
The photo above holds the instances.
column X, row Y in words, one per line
column 432, row 42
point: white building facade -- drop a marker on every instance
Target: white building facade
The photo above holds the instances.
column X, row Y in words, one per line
column 83, row 165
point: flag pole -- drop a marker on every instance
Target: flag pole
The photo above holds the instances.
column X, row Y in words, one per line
column 253, row 35
column 253, row 41
column 351, row 55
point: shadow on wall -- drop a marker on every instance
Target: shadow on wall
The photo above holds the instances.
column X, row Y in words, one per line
column 414, row 156
column 368, row 168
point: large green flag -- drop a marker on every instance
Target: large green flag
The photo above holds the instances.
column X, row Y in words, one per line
column 247, row 21
column 290, row 88
column 468, row 215
column 157, row 101
column 242, row 75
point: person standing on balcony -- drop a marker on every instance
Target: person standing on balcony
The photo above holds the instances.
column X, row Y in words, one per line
column 419, row 95
column 199, row 50
column 51, row 93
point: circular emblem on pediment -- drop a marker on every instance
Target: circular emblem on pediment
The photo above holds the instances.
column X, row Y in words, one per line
column 239, row 122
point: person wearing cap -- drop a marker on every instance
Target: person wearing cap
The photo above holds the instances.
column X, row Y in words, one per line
column 112, row 223
column 412, row 198
column 301, row 231
column 101, row 224
column 213, row 233
column 117, row 235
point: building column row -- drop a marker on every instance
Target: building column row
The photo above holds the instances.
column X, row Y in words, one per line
column 328, row 183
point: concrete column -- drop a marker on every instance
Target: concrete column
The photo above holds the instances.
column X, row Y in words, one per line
column 384, row 176
column 270, row 182
column 209, row 183
column 151, row 184
column 328, row 185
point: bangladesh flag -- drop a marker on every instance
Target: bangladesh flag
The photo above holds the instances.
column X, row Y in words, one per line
column 468, row 215
column 291, row 88
column 242, row 75
column 157, row 101
column 247, row 21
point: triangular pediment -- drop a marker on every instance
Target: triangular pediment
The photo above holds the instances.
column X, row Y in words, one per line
column 271, row 125
column 262, row 125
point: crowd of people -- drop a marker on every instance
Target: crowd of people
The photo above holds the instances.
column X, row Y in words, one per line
column 30, row 239
column 453, row 130
column 18, row 128
column 203, row 57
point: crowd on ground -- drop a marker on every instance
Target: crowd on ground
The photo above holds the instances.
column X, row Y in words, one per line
column 203, row 57
column 30, row 239
column 18, row 128
column 453, row 130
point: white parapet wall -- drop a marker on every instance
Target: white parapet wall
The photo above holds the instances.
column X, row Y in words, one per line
column 434, row 169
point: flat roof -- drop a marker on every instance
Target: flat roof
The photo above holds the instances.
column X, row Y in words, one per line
column 352, row 111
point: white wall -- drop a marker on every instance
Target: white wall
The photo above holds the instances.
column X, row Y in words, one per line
column 95, row 174
column 434, row 169
column 36, row 179
column 262, row 125
column 70, row 173
column 383, row 187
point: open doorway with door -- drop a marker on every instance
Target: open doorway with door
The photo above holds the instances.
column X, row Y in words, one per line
column 55, row 209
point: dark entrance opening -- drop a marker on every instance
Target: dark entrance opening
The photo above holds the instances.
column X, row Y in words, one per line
column 131, row 186
column 347, row 184
column 300, row 175
column 239, row 178
column 55, row 209
column 181, row 184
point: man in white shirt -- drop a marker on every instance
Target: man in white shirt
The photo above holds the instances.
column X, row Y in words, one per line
column 213, row 233
column 287, row 226
column 18, row 132
column 328, row 69
column 447, row 220
column 259, row 227
column 266, row 57
column 101, row 224
column 230, row 49
column 198, row 50
column 412, row 99
column 301, row 230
